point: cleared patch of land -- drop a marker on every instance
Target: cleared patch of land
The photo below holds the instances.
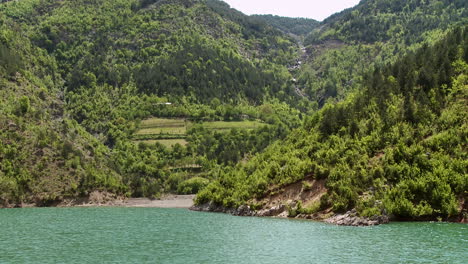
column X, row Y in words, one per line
column 164, row 142
column 222, row 125
column 163, row 122
column 169, row 132
column 162, row 130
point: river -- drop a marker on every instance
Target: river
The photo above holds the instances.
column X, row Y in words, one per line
column 161, row 235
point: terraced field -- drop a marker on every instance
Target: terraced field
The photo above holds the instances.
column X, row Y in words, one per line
column 169, row 132
column 162, row 122
column 222, row 125
column 165, row 142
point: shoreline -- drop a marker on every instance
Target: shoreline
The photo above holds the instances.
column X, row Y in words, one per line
column 103, row 200
column 99, row 199
column 350, row 218
column 170, row 201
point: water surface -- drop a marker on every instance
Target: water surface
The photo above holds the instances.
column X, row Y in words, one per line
column 156, row 235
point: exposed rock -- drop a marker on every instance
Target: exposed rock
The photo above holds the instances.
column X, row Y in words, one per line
column 273, row 211
column 244, row 210
column 351, row 218
column 96, row 198
column 283, row 214
column 348, row 219
column 211, row 207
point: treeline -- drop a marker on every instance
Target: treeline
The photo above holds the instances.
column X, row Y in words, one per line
column 375, row 32
column 181, row 48
column 251, row 27
column 397, row 147
column 297, row 26
column 203, row 70
column 382, row 20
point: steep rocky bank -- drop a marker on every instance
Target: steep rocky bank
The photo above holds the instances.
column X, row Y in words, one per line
column 292, row 201
column 348, row 219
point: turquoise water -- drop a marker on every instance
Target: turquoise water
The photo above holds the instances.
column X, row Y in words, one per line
column 153, row 235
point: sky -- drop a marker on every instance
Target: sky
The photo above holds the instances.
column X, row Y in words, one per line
column 316, row 9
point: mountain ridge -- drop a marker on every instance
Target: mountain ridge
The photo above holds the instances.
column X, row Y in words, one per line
column 376, row 119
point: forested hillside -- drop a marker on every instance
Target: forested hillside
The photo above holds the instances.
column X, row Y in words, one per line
column 396, row 147
column 79, row 76
column 174, row 48
column 299, row 27
column 348, row 44
column 45, row 156
column 146, row 97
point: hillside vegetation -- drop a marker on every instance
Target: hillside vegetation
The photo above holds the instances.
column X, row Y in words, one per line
column 45, row 156
column 348, row 44
column 371, row 114
column 298, row 27
column 397, row 146
column 78, row 76
column 167, row 47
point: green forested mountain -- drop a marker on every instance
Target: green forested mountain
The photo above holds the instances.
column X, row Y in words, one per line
column 375, row 32
column 90, row 90
column 44, row 155
column 296, row 26
column 397, row 146
column 174, row 48
column 382, row 20
column 77, row 76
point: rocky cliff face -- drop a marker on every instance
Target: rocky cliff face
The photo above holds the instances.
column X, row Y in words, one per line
column 299, row 200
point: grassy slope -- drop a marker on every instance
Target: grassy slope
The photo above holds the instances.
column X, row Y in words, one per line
column 171, row 131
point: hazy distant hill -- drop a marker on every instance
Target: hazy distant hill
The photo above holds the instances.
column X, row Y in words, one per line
column 296, row 26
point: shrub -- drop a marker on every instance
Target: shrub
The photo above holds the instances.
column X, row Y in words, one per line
column 192, row 186
column 315, row 207
column 24, row 105
column 306, row 186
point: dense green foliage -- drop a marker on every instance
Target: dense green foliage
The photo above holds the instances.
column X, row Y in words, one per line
column 296, row 26
column 178, row 48
column 399, row 145
column 78, row 77
column 100, row 66
column 44, row 157
column 375, row 32
column 383, row 20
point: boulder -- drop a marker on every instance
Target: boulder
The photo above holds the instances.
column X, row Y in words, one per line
column 351, row 218
column 273, row 211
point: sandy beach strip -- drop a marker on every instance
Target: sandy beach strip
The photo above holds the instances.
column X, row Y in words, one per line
column 170, row 201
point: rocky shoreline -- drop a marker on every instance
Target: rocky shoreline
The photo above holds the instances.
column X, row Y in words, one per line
column 350, row 218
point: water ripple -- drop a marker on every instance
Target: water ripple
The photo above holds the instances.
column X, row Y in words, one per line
column 152, row 235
